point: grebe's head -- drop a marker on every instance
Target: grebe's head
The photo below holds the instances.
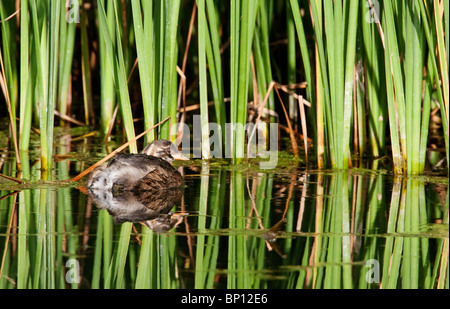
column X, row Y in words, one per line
column 99, row 178
column 163, row 149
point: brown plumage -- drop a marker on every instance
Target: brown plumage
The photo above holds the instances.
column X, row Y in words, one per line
column 148, row 170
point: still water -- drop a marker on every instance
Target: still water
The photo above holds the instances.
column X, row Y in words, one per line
column 230, row 227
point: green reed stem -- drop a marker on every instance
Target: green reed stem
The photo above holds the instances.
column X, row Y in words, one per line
column 291, row 61
column 305, row 56
column 215, row 64
column 116, row 60
column 333, row 273
column 53, row 62
column 442, row 56
column 145, row 269
column 167, row 262
column 346, row 243
column 242, row 28
column 242, row 281
column 231, row 262
column 202, row 264
column 67, row 47
column 116, row 273
column 325, row 83
column 376, row 93
column 23, row 249
column 144, row 50
column 234, row 48
column 25, row 94
column 23, row 258
column 107, row 93
column 86, row 73
column 169, row 26
column 338, row 63
column 319, row 97
column 96, row 269
column 262, row 43
column 202, row 34
column 398, row 247
column 349, row 78
column 41, row 72
column 107, row 244
column 434, row 71
column 392, row 57
column 8, row 51
column 212, row 247
column 391, row 224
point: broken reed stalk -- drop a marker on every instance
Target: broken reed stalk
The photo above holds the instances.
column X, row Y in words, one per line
column 291, row 131
column 12, row 178
column 8, row 234
column 261, row 108
column 88, row 170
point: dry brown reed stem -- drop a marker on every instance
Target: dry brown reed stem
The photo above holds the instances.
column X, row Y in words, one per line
column 253, row 203
column 88, row 170
column 4, row 87
column 377, row 22
column 10, row 16
column 188, row 42
column 8, row 234
column 291, row 131
column 254, row 82
column 261, row 107
column 69, row 119
column 181, row 98
column 298, row 134
column 4, row 197
column 12, row 178
column 181, row 71
column 194, row 107
column 287, row 89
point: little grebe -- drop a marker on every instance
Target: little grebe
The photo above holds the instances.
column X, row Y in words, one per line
column 151, row 169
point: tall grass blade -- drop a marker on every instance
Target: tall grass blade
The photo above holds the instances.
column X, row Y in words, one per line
column 68, row 26
column 144, row 51
column 305, row 56
column 86, row 73
column 392, row 57
column 202, row 34
column 201, row 263
column 25, row 93
column 243, row 23
column 349, row 79
column 169, row 26
column 215, row 63
column 116, row 60
column 442, row 54
column 107, row 94
column 116, row 270
column 325, row 83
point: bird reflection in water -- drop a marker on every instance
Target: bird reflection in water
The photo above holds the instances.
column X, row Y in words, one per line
column 150, row 207
column 140, row 187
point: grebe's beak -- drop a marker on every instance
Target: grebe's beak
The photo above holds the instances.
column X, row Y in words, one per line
column 179, row 156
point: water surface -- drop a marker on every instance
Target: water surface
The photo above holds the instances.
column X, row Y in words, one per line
column 231, row 227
